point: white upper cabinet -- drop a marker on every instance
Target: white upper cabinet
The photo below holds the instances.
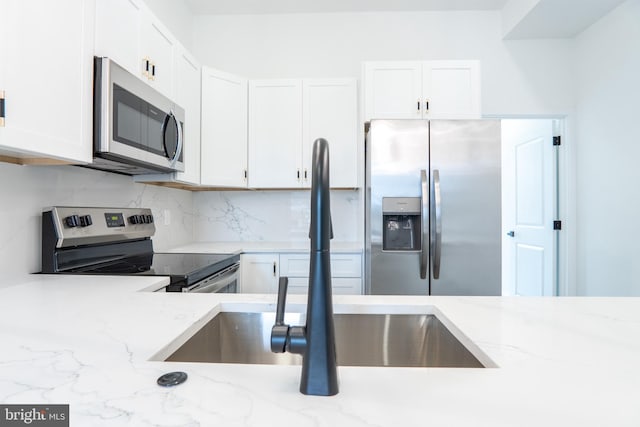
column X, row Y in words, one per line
column 451, row 89
column 187, row 95
column 224, row 129
column 287, row 116
column 330, row 111
column 393, row 90
column 275, row 133
column 422, row 90
column 156, row 52
column 128, row 33
column 46, row 74
column 118, row 32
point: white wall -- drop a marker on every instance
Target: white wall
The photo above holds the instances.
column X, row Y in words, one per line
column 518, row 77
column 178, row 18
column 26, row 190
column 607, row 91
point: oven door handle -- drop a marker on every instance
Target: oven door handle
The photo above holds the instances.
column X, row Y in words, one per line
column 217, row 282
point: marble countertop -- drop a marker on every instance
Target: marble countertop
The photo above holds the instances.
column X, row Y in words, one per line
column 263, row 247
column 88, row 340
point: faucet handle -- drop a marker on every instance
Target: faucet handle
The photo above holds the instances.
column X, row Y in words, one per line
column 283, row 284
column 280, row 331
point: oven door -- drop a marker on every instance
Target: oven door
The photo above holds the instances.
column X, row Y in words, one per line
column 225, row 281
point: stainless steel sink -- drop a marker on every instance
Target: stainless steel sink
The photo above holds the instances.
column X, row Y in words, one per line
column 418, row 340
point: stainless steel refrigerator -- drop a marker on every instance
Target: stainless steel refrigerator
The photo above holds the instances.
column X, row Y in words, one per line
column 433, row 207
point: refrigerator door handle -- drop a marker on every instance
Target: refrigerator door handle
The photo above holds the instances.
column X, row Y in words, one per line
column 436, row 224
column 424, row 255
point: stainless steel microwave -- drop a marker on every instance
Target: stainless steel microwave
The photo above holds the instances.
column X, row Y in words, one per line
column 136, row 129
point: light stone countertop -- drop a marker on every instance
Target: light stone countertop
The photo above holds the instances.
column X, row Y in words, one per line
column 87, row 341
column 263, row 247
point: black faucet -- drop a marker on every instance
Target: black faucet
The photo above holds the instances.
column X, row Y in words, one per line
column 316, row 340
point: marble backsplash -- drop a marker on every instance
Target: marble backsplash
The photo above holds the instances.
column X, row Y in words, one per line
column 258, row 216
column 271, row 216
column 26, row 190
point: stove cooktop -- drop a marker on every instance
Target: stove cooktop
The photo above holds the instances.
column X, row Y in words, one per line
column 183, row 268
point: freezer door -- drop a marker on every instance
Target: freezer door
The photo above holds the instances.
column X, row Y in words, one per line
column 397, row 155
column 465, row 207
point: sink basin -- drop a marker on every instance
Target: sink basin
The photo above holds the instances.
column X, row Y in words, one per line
column 400, row 340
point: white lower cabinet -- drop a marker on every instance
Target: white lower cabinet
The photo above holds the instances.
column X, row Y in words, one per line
column 259, row 273
column 346, row 273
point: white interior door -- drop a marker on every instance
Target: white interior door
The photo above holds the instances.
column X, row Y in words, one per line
column 529, row 189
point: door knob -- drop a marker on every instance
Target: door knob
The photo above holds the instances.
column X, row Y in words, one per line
column 511, row 233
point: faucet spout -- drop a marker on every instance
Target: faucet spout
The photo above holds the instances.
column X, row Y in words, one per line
column 315, row 341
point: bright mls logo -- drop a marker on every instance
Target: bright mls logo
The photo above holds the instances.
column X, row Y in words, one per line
column 34, row 415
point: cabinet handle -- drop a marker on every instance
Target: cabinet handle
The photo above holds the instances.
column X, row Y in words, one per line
column 153, row 71
column 274, row 269
column 245, row 174
column 418, row 105
column 305, row 174
column 298, row 174
column 2, row 114
column 145, row 66
column 426, row 106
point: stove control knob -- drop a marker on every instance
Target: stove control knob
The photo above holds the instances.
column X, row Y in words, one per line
column 88, row 220
column 72, row 221
column 134, row 219
column 150, row 219
column 85, row 221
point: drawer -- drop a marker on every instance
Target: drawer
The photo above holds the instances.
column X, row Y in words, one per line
column 339, row 286
column 342, row 265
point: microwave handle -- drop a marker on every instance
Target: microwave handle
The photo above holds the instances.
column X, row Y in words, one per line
column 179, row 147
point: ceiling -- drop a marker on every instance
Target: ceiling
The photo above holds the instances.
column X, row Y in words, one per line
column 522, row 19
column 234, row 7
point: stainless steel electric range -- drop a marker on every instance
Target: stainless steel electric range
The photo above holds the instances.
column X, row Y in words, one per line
column 117, row 241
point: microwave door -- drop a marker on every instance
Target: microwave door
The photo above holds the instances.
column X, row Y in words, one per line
column 129, row 119
column 155, row 128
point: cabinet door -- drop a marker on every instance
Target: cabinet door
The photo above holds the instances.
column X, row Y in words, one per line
column 339, row 286
column 47, row 78
column 187, row 84
column 118, row 32
column 392, row 90
column 342, row 265
column 156, row 44
column 259, row 273
column 330, row 111
column 275, row 133
column 224, row 129
column 452, row 89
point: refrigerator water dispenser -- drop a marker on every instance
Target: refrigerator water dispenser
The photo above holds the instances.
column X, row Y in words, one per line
column 401, row 224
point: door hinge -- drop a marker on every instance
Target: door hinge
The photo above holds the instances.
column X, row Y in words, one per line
column 2, row 108
column 557, row 140
column 557, row 225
